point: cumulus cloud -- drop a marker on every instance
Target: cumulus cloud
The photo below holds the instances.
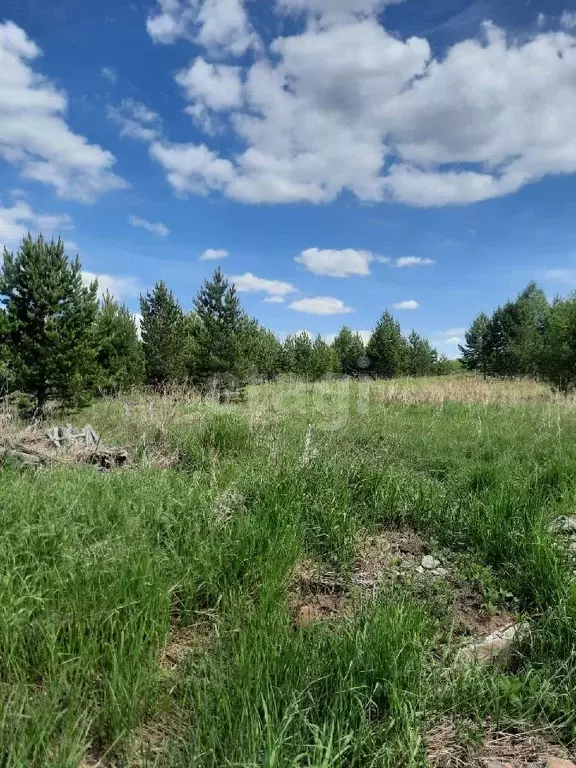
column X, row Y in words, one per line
column 321, row 305
column 20, row 218
column 110, row 74
column 193, row 167
column 364, row 335
column 345, row 106
column 410, row 304
column 214, row 24
column 336, row 10
column 120, row 288
column 249, row 283
column 213, row 253
column 211, row 89
column 34, row 135
column 274, row 300
column 567, row 276
column 137, row 317
column 451, row 337
column 158, row 228
column 216, row 85
column 568, row 19
column 413, row 261
column 136, row 120
column 336, row 263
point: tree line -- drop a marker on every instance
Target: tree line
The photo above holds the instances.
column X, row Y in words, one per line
column 59, row 341
column 529, row 336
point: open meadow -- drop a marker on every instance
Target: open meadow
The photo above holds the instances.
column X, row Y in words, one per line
column 290, row 581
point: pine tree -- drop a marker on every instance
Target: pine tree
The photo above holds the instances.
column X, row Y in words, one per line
column 350, row 352
column 476, row 353
column 501, row 336
column 532, row 310
column 261, row 350
column 119, row 354
column 558, row 359
column 163, row 330
column 422, row 357
column 302, row 355
column 221, row 321
column 50, row 318
column 5, row 367
column 322, row 360
column 387, row 349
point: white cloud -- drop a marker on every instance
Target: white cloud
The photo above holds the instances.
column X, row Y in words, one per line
column 218, row 86
column 72, row 247
column 110, row 74
column 213, row 253
column 541, row 19
column 568, row 19
column 158, row 228
column 567, row 276
column 34, row 135
column 137, row 317
column 321, row 305
column 346, row 106
column 364, row 335
column 413, row 261
column 20, row 218
column 249, row 283
column 274, row 300
column 211, row 89
column 336, row 10
column 453, row 340
column 193, row 167
column 119, row 287
column 336, row 263
column 214, row 24
column 453, row 332
column 411, row 304
column 136, row 120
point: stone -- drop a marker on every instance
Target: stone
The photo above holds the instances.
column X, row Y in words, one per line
column 494, row 648
column 440, row 572
column 565, row 524
column 91, row 437
column 420, row 569
column 558, row 762
column 495, row 764
column 429, row 563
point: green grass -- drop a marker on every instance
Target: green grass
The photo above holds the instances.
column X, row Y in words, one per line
column 99, row 571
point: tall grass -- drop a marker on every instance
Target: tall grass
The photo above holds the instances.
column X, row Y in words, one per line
column 99, row 572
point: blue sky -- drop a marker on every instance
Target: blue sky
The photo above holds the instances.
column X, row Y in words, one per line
column 337, row 157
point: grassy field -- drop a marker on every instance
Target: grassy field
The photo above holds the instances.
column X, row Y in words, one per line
column 248, row 591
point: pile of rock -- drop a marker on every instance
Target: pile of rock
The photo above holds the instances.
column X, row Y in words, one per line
column 566, row 526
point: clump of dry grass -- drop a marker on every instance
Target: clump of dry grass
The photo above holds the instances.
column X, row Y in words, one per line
column 464, row 746
column 464, row 389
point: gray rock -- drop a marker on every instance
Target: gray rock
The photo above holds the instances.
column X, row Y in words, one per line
column 429, row 563
column 494, row 648
column 440, row 572
column 420, row 569
column 565, row 524
column 91, row 437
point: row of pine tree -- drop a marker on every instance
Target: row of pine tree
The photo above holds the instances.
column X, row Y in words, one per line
column 57, row 341
column 526, row 337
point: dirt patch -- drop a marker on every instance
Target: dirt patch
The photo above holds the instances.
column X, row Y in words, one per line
column 184, row 641
column 470, row 614
column 388, row 555
column 464, row 746
column 397, row 556
column 317, row 595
